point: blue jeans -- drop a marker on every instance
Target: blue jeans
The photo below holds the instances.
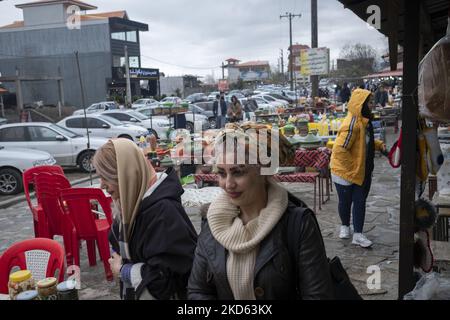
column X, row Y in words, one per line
column 356, row 195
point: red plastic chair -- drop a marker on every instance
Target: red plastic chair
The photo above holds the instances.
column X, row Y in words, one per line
column 52, row 218
column 28, row 179
column 77, row 203
column 43, row 257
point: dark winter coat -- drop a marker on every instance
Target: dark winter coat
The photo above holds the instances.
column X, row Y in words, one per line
column 223, row 106
column 276, row 274
column 164, row 239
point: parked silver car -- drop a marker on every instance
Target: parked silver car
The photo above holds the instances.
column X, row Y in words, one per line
column 14, row 161
column 68, row 148
column 98, row 107
column 102, row 126
column 157, row 125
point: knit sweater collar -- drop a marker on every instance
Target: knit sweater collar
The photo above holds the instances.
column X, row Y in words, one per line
column 228, row 229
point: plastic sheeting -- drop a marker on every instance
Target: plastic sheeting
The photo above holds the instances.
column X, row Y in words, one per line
column 434, row 81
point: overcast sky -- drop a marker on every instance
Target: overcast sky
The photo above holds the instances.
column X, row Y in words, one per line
column 195, row 36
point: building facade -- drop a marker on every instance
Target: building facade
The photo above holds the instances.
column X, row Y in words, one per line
column 43, row 45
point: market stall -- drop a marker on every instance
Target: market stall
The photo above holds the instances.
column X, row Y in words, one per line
column 417, row 26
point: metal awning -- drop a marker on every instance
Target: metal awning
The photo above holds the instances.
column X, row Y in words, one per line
column 433, row 24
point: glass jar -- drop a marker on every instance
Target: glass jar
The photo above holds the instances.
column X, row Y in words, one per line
column 20, row 281
column 47, row 289
column 27, row 295
column 67, row 290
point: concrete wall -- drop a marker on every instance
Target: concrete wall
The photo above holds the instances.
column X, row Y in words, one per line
column 41, row 15
column 233, row 75
column 169, row 85
column 41, row 52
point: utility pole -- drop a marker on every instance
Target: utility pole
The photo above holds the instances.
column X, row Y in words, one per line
column 127, row 75
column 314, row 44
column 291, row 57
column 223, row 71
column 282, row 65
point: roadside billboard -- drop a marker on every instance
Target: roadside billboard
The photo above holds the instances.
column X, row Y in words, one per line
column 314, row 62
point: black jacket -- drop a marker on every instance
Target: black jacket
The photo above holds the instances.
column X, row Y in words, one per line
column 164, row 239
column 276, row 275
column 345, row 94
column 223, row 106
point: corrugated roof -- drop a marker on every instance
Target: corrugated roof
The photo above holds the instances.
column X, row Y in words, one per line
column 436, row 10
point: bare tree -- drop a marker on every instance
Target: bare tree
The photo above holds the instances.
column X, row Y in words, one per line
column 357, row 60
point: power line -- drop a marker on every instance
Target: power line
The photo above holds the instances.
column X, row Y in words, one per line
column 180, row 66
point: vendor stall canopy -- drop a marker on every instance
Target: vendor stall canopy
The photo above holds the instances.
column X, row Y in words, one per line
column 433, row 21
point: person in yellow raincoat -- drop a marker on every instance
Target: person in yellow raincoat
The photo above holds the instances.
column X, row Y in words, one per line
column 352, row 163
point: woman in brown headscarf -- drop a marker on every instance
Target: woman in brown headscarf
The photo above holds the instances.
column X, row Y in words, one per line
column 152, row 238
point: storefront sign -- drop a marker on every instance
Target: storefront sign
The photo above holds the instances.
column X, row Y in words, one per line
column 144, row 73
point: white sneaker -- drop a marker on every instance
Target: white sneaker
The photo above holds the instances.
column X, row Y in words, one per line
column 345, row 232
column 361, row 240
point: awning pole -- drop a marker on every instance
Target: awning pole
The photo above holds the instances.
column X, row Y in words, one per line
column 409, row 127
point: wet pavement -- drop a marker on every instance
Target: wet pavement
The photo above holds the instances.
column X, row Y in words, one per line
column 381, row 226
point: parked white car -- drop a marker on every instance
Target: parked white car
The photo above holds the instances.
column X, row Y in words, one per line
column 263, row 104
column 199, row 118
column 144, row 103
column 68, row 148
column 103, row 126
column 14, row 161
column 157, row 125
column 98, row 107
column 271, row 100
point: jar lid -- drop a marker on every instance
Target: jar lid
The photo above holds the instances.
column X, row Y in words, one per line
column 20, row 276
column 66, row 285
column 27, row 295
column 47, row 282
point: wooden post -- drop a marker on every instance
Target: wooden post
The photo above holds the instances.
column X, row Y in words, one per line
column 409, row 157
column 314, row 44
column 2, row 105
column 61, row 101
column 19, row 96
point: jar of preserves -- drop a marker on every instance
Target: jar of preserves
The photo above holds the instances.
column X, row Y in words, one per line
column 47, row 289
column 20, row 281
column 28, row 295
column 67, row 290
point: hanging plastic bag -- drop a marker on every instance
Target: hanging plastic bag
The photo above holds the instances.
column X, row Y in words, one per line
column 434, row 81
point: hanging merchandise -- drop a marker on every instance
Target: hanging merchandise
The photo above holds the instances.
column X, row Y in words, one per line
column 395, row 154
column 434, row 81
column 435, row 157
column 423, row 256
column 425, row 216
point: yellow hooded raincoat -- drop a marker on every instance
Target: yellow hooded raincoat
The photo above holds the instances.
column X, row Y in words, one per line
column 348, row 159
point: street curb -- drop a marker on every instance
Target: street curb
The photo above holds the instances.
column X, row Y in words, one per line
column 17, row 199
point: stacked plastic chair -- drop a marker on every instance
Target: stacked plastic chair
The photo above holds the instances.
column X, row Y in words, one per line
column 77, row 203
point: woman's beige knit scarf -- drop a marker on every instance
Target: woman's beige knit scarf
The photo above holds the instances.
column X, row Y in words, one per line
column 242, row 241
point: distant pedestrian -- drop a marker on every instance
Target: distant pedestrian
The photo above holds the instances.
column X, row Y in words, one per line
column 220, row 110
column 234, row 112
column 381, row 96
column 345, row 93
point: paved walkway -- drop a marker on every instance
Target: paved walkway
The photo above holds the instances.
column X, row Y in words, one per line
column 382, row 225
